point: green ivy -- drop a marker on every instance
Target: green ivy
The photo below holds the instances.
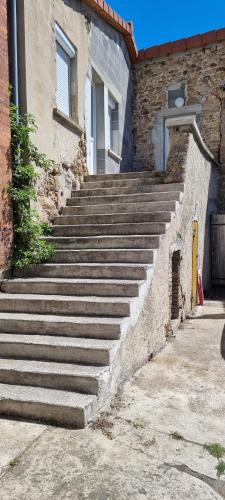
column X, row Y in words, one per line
column 29, row 245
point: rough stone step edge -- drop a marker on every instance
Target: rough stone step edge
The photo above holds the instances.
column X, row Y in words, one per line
column 47, row 405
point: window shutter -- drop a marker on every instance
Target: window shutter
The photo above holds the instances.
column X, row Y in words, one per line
column 62, row 80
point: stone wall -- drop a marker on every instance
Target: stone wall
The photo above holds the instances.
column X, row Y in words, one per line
column 203, row 72
column 55, row 186
column 176, row 163
column 5, row 166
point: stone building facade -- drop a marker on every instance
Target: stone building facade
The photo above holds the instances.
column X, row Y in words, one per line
column 5, row 166
column 192, row 69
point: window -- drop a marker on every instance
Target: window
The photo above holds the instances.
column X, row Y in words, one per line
column 176, row 95
column 113, row 113
column 65, row 54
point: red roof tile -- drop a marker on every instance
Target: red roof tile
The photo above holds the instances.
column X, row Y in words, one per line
column 126, row 28
column 182, row 45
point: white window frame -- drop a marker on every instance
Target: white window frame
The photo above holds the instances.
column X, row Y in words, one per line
column 112, row 104
column 69, row 49
column 62, row 39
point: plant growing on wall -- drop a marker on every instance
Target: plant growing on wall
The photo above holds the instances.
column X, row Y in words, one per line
column 29, row 247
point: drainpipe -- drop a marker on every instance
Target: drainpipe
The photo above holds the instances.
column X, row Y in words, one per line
column 14, row 53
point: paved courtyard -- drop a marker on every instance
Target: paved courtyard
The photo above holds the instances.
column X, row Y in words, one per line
column 152, row 443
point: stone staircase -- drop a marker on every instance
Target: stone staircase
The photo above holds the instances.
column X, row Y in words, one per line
column 63, row 323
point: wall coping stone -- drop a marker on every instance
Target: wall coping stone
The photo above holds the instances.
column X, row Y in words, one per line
column 189, row 122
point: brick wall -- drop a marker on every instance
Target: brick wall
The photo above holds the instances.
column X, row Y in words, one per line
column 5, row 168
column 203, row 71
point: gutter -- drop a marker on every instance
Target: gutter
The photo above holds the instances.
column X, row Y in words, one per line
column 14, row 53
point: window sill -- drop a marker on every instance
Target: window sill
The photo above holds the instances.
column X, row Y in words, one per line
column 114, row 156
column 67, row 121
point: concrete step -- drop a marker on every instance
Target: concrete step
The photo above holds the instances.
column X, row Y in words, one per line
column 65, row 305
column 80, row 287
column 109, row 256
column 59, row 349
column 65, row 377
column 128, row 190
column 105, row 242
column 163, row 195
column 118, row 218
column 64, row 326
column 96, row 271
column 61, row 321
column 124, row 175
column 113, row 183
column 110, row 229
column 120, row 208
column 47, row 405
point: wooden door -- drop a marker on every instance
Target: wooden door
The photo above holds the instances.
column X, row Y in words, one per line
column 218, row 249
column 194, row 265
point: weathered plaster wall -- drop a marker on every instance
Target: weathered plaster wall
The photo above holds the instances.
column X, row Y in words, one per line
column 188, row 164
column 150, row 330
column 110, row 58
column 58, row 140
column 5, row 136
column 203, row 71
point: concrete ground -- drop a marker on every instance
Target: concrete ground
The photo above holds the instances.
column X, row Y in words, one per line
column 152, row 442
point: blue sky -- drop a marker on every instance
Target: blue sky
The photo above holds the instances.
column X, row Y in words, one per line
column 159, row 21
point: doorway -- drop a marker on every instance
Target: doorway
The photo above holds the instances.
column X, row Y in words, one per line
column 194, row 294
column 93, row 142
column 91, row 123
column 95, row 123
column 218, row 246
column 176, row 295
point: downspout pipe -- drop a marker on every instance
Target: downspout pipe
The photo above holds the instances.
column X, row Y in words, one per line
column 14, row 54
